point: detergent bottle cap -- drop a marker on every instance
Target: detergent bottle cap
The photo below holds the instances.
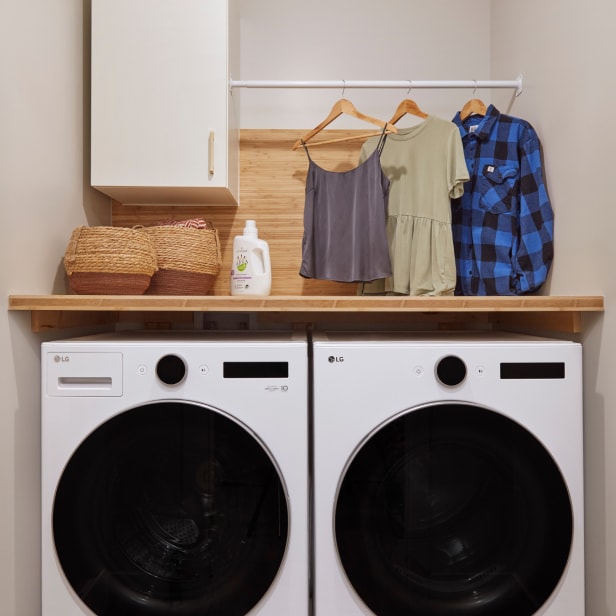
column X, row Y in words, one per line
column 251, row 229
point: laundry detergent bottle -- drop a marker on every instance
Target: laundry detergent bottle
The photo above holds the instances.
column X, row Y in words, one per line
column 251, row 270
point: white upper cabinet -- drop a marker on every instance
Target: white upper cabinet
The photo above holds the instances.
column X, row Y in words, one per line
column 165, row 127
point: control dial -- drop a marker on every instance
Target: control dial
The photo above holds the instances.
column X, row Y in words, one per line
column 451, row 370
column 171, row 369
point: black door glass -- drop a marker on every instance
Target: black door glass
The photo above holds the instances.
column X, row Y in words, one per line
column 453, row 510
column 170, row 508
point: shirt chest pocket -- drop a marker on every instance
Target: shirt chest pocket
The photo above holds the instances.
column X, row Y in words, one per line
column 498, row 188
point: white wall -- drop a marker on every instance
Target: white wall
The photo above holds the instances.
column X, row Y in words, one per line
column 362, row 40
column 43, row 196
column 565, row 54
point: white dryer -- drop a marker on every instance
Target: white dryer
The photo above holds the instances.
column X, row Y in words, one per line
column 174, row 475
column 448, row 475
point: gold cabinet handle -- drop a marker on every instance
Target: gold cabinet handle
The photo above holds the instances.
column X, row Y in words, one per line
column 211, row 152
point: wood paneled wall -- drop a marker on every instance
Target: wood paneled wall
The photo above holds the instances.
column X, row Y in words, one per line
column 272, row 186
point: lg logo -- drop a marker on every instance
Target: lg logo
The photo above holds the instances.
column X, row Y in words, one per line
column 61, row 358
column 335, row 359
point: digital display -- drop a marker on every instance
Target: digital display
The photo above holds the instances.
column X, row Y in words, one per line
column 532, row 370
column 255, row 370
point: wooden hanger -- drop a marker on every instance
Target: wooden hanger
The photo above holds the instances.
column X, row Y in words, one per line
column 343, row 106
column 473, row 106
column 407, row 106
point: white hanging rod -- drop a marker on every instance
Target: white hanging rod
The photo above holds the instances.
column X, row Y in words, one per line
column 406, row 84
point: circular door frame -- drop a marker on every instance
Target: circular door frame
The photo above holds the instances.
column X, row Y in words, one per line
column 161, row 531
column 447, row 597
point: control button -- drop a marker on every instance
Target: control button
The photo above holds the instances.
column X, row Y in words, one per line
column 171, row 369
column 142, row 370
column 481, row 370
column 451, row 370
column 203, row 369
column 418, row 370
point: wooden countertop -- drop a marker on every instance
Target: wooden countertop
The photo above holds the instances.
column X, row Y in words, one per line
column 529, row 313
column 284, row 303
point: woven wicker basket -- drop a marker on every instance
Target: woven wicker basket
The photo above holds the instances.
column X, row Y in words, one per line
column 109, row 261
column 188, row 260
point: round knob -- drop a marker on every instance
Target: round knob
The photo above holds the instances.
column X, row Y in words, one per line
column 171, row 369
column 451, row 370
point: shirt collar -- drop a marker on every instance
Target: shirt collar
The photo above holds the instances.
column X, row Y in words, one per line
column 484, row 128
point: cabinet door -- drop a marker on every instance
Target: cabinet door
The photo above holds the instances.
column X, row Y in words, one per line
column 160, row 100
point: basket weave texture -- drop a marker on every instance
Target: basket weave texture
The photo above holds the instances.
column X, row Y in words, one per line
column 188, row 259
column 109, row 261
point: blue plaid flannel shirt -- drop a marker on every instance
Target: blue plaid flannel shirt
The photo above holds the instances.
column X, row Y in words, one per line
column 503, row 225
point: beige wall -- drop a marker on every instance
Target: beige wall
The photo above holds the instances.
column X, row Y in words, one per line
column 363, row 40
column 565, row 56
column 566, row 52
column 43, row 195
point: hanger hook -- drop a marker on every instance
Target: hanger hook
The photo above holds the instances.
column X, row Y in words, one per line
column 410, row 88
column 343, row 88
column 475, row 89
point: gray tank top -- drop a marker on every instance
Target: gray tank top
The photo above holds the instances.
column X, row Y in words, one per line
column 345, row 214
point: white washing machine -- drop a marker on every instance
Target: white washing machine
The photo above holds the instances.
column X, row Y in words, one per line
column 174, row 475
column 448, row 475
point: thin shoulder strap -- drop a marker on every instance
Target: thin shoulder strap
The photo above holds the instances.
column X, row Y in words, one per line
column 382, row 140
column 306, row 149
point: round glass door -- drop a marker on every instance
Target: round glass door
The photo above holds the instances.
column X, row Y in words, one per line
column 170, row 508
column 453, row 510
